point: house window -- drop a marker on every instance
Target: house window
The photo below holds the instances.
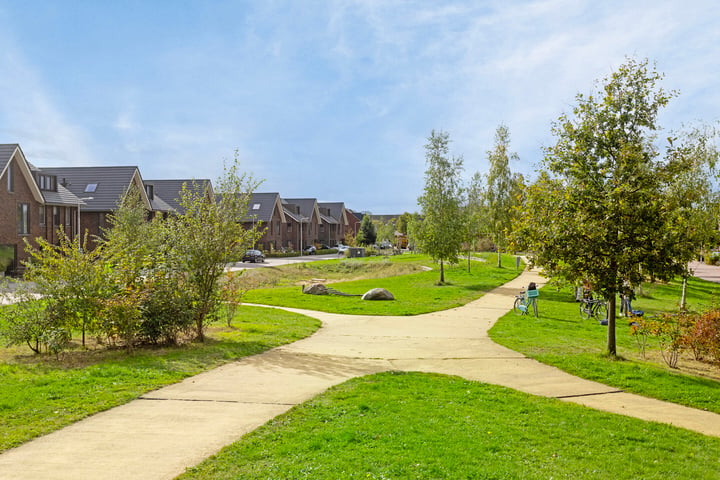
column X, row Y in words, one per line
column 41, row 215
column 67, row 215
column 11, row 179
column 256, row 206
column 56, row 216
column 91, row 187
column 150, row 190
column 289, row 227
column 23, row 218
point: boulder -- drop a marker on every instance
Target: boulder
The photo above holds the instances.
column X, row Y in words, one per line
column 378, row 294
column 315, row 289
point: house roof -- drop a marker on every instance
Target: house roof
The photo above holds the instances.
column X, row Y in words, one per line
column 337, row 211
column 307, row 206
column 7, row 150
column 262, row 206
column 62, row 196
column 168, row 191
column 101, row 187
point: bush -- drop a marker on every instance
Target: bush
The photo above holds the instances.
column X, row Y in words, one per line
column 166, row 311
column 703, row 336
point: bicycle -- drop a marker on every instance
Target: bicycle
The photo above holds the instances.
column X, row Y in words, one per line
column 592, row 308
column 525, row 300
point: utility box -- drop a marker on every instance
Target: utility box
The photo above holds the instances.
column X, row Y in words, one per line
column 356, row 252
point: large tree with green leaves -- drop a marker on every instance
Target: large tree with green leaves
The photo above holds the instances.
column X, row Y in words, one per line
column 598, row 212
column 441, row 231
column 209, row 235
column 499, row 196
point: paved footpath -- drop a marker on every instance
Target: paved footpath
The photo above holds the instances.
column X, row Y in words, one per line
column 167, row 430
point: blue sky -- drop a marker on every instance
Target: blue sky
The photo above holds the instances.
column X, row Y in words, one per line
column 334, row 99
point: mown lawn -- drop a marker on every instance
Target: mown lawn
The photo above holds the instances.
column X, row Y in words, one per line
column 410, row 426
column 41, row 393
column 561, row 338
column 414, row 293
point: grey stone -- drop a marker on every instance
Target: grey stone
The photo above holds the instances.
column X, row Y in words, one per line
column 378, row 294
column 315, row 289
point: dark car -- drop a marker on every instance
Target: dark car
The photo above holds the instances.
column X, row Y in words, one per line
column 253, row 256
column 311, row 250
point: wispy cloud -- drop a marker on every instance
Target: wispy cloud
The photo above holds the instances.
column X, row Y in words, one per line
column 30, row 116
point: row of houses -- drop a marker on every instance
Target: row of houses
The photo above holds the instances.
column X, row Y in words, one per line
column 39, row 202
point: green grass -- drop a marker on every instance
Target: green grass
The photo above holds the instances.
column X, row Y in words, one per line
column 40, row 394
column 561, row 338
column 414, row 294
column 409, row 426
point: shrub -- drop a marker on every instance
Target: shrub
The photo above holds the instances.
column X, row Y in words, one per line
column 703, row 336
column 166, row 310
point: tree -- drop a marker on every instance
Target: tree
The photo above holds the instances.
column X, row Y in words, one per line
column 499, row 199
column 474, row 213
column 366, row 235
column 441, row 231
column 597, row 211
column 209, row 235
column 72, row 279
column 692, row 195
column 385, row 231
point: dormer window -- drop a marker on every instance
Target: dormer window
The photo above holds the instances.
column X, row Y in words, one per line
column 47, row 183
column 91, row 187
column 150, row 191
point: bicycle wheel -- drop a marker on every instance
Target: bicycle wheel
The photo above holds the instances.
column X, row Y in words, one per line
column 585, row 309
column 516, row 306
column 600, row 312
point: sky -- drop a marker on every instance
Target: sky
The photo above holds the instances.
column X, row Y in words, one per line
column 332, row 100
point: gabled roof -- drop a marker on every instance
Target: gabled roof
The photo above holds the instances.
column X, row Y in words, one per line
column 7, row 150
column 102, row 187
column 169, row 191
column 337, row 211
column 11, row 151
column 307, row 206
column 262, row 206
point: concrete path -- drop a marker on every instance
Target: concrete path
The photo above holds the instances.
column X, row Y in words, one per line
column 167, row 430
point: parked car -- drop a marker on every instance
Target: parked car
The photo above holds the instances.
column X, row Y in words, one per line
column 385, row 244
column 342, row 248
column 310, row 250
column 253, row 256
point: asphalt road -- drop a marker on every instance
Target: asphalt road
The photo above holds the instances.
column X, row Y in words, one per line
column 276, row 262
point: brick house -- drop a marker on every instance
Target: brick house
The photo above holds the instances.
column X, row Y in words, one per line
column 100, row 189
column 266, row 210
column 32, row 205
column 334, row 223
column 303, row 222
column 354, row 221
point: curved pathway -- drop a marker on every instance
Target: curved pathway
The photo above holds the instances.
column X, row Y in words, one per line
column 167, row 430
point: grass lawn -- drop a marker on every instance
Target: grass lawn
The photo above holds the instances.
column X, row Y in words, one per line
column 415, row 293
column 399, row 425
column 560, row 337
column 40, row 393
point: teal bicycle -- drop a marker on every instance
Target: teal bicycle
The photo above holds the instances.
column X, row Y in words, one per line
column 526, row 301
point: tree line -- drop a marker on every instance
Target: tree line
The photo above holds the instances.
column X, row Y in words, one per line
column 611, row 206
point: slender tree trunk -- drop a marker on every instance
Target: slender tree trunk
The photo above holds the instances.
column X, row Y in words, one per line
column 499, row 257
column 468, row 259
column 684, row 291
column 442, row 272
column 611, row 345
